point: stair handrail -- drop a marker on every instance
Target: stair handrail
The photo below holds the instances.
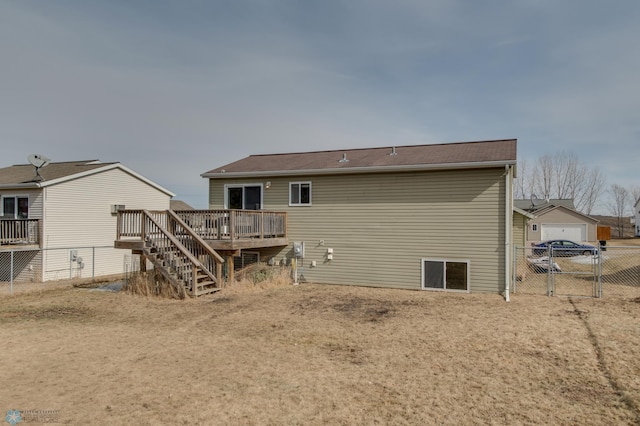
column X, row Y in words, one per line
column 179, row 245
column 201, row 242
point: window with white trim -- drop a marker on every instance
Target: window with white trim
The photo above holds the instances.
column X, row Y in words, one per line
column 299, row 193
column 439, row 274
column 534, row 227
column 15, row 207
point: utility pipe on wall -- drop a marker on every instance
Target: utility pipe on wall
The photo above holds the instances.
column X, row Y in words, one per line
column 508, row 212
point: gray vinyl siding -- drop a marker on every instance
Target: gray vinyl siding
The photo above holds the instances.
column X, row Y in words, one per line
column 381, row 225
column 519, row 229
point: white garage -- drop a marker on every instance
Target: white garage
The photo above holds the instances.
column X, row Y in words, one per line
column 574, row 232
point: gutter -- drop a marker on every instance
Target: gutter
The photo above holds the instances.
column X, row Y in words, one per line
column 29, row 185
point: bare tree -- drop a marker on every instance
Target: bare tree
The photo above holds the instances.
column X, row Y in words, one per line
column 523, row 184
column 562, row 176
column 544, row 176
column 593, row 186
column 619, row 205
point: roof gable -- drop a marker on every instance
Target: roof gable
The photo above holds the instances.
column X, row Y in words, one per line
column 24, row 175
column 450, row 155
column 539, row 205
column 542, row 212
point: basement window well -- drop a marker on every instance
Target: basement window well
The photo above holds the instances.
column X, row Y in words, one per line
column 441, row 274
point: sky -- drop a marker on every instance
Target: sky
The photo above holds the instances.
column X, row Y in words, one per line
column 175, row 88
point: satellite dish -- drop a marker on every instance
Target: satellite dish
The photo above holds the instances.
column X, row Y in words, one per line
column 535, row 201
column 38, row 161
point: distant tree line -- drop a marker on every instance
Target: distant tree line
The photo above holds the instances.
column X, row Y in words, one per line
column 564, row 176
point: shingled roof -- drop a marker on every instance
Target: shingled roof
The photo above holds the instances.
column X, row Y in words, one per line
column 450, row 155
column 24, row 175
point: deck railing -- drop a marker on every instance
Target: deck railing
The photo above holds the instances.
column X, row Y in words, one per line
column 235, row 224
column 212, row 224
column 19, row 231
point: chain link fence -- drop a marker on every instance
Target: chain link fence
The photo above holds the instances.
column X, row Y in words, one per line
column 20, row 267
column 611, row 271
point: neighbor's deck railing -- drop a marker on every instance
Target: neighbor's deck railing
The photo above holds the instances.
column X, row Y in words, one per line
column 212, row 224
column 19, row 231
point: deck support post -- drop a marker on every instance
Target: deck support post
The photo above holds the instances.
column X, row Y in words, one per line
column 230, row 271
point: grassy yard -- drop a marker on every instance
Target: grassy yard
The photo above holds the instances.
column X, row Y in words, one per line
column 313, row 354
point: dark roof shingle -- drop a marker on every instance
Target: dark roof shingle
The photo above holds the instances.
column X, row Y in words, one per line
column 26, row 173
column 411, row 155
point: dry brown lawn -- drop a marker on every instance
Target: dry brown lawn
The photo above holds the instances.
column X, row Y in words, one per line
column 313, row 354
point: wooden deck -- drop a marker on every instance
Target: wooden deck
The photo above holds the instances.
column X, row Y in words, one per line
column 223, row 230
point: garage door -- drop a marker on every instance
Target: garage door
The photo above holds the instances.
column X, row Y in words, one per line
column 574, row 232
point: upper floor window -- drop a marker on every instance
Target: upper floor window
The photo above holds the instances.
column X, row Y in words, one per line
column 15, row 207
column 299, row 193
column 243, row 196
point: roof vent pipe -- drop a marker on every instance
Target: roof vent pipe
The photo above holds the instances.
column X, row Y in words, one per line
column 393, row 152
column 344, row 158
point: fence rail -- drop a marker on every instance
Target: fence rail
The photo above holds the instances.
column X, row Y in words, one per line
column 24, row 266
column 614, row 271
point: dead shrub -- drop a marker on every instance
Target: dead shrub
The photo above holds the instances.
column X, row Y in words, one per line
column 259, row 277
column 152, row 284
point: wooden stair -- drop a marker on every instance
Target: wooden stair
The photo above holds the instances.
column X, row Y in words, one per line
column 182, row 257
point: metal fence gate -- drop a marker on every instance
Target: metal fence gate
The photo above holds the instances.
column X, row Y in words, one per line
column 612, row 271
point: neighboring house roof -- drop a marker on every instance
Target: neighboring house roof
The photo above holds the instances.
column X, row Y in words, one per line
column 524, row 213
column 24, row 175
column 542, row 212
column 411, row 157
column 537, row 205
column 179, row 205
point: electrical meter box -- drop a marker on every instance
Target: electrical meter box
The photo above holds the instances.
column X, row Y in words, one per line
column 298, row 250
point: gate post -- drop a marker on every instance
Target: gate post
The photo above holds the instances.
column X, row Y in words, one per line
column 550, row 289
column 599, row 269
column 11, row 274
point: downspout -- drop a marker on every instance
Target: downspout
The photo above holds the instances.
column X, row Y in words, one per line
column 43, row 231
column 508, row 212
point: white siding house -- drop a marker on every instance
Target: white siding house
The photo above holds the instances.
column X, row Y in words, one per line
column 71, row 209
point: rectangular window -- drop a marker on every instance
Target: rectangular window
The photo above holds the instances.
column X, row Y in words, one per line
column 445, row 275
column 534, row 227
column 299, row 193
column 15, row 207
column 243, row 197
